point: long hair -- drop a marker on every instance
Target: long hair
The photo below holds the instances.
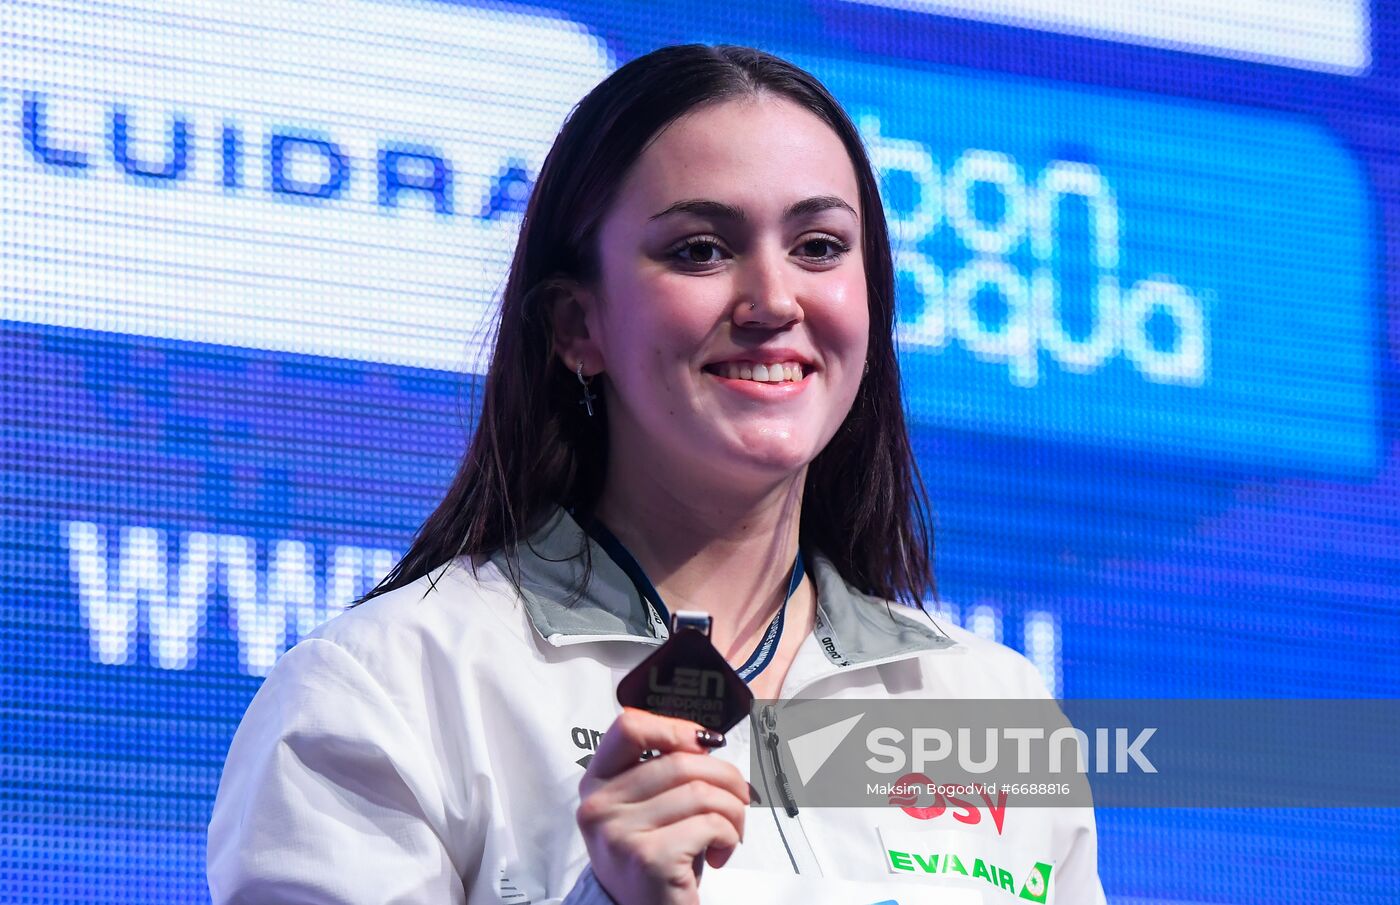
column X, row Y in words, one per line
column 864, row 505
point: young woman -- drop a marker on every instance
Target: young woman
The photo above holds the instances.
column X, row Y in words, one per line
column 693, row 404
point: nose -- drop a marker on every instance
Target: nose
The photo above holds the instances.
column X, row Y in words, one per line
column 765, row 294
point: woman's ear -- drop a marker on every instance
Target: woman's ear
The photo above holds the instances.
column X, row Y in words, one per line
column 573, row 318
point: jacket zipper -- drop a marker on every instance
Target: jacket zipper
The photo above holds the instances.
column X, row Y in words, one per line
column 766, row 736
column 770, row 742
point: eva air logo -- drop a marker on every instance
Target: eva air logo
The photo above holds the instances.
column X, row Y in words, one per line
column 1037, row 884
column 920, row 860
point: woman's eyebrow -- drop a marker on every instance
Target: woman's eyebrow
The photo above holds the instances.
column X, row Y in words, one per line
column 818, row 204
column 718, row 210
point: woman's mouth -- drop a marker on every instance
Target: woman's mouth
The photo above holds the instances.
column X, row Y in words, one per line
column 778, row 372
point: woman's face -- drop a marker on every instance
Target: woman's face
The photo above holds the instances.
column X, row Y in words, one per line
column 733, row 248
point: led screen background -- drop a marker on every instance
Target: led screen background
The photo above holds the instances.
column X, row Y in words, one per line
column 248, row 253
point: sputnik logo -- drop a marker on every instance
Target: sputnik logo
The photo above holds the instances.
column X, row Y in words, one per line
column 813, row 749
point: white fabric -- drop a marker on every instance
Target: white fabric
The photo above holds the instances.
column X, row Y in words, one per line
column 424, row 748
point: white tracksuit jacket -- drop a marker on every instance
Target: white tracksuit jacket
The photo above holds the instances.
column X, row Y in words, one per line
column 426, row 747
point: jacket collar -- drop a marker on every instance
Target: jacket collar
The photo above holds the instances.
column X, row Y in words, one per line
column 851, row 627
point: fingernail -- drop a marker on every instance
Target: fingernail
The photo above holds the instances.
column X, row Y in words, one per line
column 754, row 797
column 708, row 738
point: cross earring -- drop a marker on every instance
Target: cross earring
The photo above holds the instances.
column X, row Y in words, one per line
column 588, row 397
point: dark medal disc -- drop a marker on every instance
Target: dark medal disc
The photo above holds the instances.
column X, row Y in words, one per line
column 687, row 677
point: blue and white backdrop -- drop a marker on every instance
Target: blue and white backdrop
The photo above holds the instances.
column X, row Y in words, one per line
column 1149, row 324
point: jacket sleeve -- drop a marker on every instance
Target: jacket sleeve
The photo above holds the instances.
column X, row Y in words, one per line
column 1078, row 872
column 588, row 891
column 328, row 795
column 1077, row 877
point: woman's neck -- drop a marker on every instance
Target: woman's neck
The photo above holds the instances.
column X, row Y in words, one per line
column 723, row 554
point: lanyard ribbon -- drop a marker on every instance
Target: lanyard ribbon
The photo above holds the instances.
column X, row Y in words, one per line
column 762, row 654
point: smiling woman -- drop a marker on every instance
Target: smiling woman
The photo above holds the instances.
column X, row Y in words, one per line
column 733, row 241
column 694, row 399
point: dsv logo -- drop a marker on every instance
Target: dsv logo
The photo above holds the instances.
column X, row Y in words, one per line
column 295, row 163
column 923, row 799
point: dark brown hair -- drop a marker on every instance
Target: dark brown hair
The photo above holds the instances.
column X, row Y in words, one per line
column 864, row 505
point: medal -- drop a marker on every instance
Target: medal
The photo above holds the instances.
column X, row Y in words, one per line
column 688, row 678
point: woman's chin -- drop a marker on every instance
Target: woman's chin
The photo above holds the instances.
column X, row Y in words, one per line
column 770, row 460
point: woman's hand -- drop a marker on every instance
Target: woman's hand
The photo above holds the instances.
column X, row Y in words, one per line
column 651, row 825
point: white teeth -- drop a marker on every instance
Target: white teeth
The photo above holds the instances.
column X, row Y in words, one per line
column 778, row 372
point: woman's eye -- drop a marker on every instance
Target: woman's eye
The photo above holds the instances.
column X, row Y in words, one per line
column 824, row 248
column 699, row 251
